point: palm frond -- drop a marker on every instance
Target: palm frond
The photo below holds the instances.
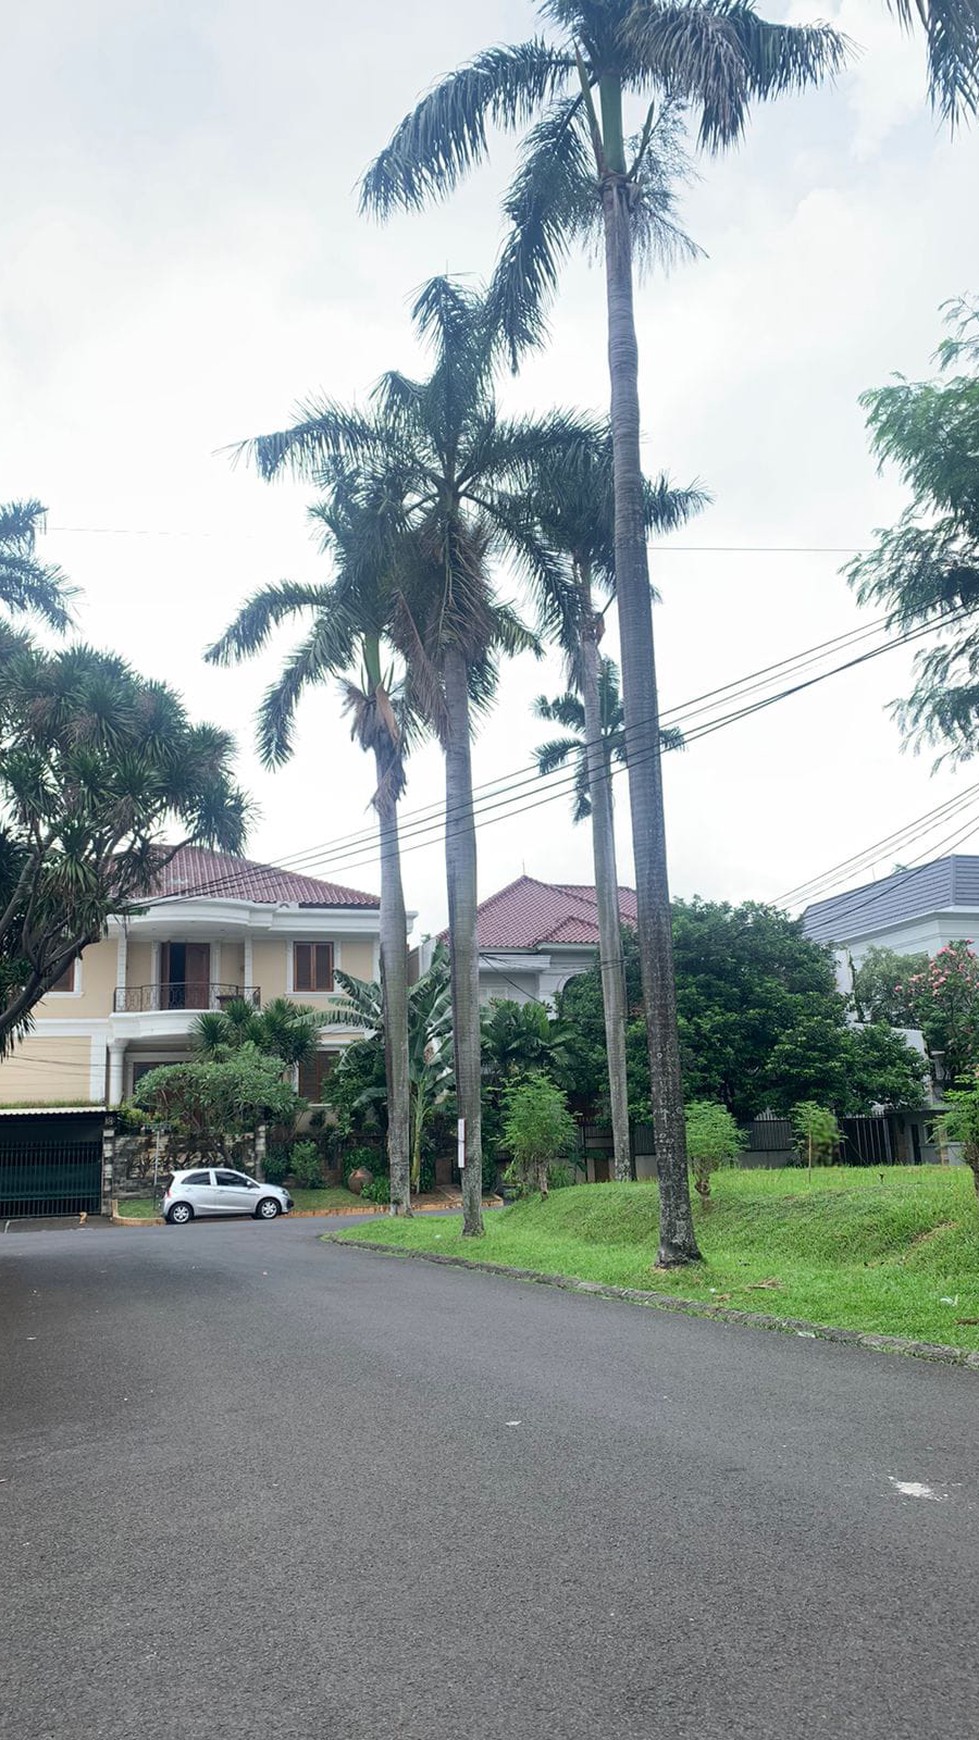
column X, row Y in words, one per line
column 720, row 56
column 322, row 433
column 327, row 650
column 260, row 615
column 951, row 30
column 557, row 752
column 550, row 201
column 445, row 134
column 25, row 583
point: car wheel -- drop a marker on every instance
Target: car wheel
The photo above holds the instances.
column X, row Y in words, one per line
column 268, row 1208
column 180, row 1214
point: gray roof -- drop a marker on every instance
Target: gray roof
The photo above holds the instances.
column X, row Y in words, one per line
column 938, row 887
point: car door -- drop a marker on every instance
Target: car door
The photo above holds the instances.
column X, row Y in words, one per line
column 234, row 1193
column 198, row 1189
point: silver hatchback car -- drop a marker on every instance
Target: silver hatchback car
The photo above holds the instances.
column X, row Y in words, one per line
column 218, row 1190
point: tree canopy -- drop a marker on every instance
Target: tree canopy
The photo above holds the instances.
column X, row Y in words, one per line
column 97, row 767
column 210, row 1103
column 762, row 1025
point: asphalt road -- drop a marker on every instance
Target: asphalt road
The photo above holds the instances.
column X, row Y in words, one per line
column 255, row 1486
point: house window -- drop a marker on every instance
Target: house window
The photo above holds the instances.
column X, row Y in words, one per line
column 66, row 984
column 314, row 1072
column 312, row 966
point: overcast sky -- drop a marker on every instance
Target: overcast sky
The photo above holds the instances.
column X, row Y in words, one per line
column 182, row 260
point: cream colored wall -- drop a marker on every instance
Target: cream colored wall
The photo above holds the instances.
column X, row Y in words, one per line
column 269, row 968
column 139, row 963
column 232, row 962
column 98, row 969
column 355, row 958
column 44, row 1069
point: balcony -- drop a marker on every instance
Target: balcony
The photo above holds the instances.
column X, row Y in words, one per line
column 194, row 995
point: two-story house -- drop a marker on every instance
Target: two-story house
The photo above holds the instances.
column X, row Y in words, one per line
column 213, row 928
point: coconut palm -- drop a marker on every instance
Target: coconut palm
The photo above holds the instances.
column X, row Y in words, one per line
column 25, row 583
column 348, row 624
column 581, row 170
column 459, row 472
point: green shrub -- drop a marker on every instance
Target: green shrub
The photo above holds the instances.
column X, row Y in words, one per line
column 277, row 1163
column 538, row 1130
column 371, row 1158
column 561, row 1176
column 378, row 1190
column 713, row 1139
column 306, row 1165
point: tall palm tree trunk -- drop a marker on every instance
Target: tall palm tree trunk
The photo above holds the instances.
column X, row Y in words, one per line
column 606, row 885
column 394, row 992
column 677, row 1240
column 460, row 868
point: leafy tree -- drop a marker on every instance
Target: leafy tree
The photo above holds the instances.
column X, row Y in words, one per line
column 429, row 1045
column 880, row 986
column 349, row 624
column 25, row 583
column 581, row 173
column 925, row 569
column 520, row 1039
column 458, row 472
column 538, row 1130
column 713, row 1140
column 761, row 1023
column 209, row 1105
column 96, row 766
column 282, row 1029
column 945, row 999
column 817, row 1133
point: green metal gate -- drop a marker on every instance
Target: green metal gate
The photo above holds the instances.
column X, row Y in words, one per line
column 50, row 1165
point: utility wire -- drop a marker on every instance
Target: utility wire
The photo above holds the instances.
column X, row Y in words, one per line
column 503, row 792
column 818, row 886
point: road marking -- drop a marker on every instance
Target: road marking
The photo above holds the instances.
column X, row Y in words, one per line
column 916, row 1489
column 513, row 1422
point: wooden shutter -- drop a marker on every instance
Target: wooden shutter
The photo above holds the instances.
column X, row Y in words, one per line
column 312, row 967
column 314, row 1072
column 66, row 981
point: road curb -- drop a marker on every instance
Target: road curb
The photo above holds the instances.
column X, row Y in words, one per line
column 936, row 1352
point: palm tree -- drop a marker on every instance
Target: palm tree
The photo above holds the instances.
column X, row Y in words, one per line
column 25, row 583
column 594, row 748
column 429, row 1039
column 581, row 170
column 348, row 626
column 576, row 512
column 282, row 1029
column 458, row 471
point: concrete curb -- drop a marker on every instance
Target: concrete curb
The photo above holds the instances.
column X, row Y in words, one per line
column 368, row 1208
column 934, row 1351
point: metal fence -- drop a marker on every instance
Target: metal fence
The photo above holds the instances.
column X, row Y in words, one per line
column 62, row 1178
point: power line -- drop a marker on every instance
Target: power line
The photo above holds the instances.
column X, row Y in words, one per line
column 819, row 886
column 346, row 852
column 667, row 548
column 916, row 868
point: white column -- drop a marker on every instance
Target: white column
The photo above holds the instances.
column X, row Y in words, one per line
column 248, row 967
column 117, row 1053
column 122, row 952
column 155, row 966
column 215, row 971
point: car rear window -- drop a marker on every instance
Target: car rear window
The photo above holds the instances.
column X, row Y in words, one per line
column 198, row 1178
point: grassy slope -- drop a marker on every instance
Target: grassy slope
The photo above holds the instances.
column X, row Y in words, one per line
column 856, row 1247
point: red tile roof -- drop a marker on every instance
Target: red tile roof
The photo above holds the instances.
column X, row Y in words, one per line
column 193, row 872
column 528, row 914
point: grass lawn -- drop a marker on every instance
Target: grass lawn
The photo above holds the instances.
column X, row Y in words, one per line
column 894, row 1251
column 142, row 1208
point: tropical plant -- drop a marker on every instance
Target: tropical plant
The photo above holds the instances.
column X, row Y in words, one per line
column 568, row 711
column 538, row 1130
column 713, row 1140
column 306, row 1164
column 944, row 995
column 879, row 986
column 581, row 172
column 349, row 621
column 283, row 1029
column 925, row 569
column 208, row 1105
column 457, row 471
column 97, row 766
column 429, row 1042
column 25, row 583
column 519, row 1038
column 817, row 1133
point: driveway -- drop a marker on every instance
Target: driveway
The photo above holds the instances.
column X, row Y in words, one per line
column 257, row 1486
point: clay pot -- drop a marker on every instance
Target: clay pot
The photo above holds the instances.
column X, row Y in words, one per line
column 358, row 1179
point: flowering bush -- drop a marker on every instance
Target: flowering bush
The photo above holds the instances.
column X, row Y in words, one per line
column 945, row 997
